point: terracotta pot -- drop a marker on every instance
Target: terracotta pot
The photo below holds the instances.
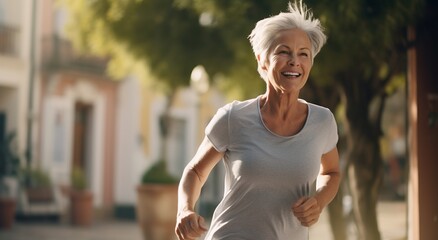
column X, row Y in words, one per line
column 81, row 208
column 156, row 210
column 39, row 194
column 7, row 210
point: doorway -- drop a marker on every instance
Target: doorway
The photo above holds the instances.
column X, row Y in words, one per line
column 82, row 144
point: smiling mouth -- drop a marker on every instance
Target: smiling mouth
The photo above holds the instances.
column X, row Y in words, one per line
column 291, row 74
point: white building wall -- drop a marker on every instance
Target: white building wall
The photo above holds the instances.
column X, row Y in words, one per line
column 15, row 69
column 130, row 159
column 180, row 149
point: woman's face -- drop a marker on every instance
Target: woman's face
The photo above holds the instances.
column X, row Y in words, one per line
column 289, row 61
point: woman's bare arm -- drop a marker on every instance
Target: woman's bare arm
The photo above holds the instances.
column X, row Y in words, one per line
column 329, row 178
column 189, row 224
column 308, row 210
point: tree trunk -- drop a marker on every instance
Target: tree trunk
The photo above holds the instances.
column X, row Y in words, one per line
column 336, row 216
column 365, row 173
column 329, row 96
column 365, row 165
column 165, row 124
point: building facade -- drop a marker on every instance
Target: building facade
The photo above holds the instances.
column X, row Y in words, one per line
column 16, row 65
column 80, row 117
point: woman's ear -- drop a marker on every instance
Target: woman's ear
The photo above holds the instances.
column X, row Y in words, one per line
column 261, row 64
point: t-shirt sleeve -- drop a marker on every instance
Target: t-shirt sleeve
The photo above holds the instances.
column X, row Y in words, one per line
column 332, row 134
column 217, row 130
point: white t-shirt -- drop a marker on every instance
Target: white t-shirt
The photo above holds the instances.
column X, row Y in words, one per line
column 266, row 173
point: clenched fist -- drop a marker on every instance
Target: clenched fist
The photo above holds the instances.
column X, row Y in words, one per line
column 189, row 225
column 307, row 210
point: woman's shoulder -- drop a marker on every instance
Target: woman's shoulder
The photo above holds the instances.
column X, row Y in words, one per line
column 319, row 111
column 240, row 105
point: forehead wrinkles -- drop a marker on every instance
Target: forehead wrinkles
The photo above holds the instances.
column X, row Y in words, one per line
column 296, row 36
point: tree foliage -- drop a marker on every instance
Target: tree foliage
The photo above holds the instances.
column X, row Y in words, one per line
column 165, row 36
column 168, row 38
column 366, row 50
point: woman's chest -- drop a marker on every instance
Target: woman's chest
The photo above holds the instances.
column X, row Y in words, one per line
column 278, row 163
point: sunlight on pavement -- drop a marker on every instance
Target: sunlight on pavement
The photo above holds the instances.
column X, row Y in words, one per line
column 392, row 222
column 391, row 218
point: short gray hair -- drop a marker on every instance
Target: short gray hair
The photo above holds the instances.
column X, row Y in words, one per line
column 262, row 36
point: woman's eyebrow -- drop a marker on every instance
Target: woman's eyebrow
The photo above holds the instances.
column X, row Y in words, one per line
column 285, row 46
column 305, row 48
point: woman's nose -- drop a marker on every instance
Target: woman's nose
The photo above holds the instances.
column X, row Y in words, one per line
column 293, row 60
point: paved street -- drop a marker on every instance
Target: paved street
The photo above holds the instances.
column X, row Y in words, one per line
column 391, row 218
column 392, row 221
column 111, row 230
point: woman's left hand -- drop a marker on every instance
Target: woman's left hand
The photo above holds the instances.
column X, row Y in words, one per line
column 307, row 210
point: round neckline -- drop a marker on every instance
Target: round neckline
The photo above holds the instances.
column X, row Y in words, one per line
column 278, row 135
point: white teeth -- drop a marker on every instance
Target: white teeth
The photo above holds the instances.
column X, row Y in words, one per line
column 291, row 74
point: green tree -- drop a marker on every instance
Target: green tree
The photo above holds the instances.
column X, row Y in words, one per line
column 366, row 58
column 363, row 61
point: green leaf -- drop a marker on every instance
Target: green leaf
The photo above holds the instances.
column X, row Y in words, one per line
column 158, row 174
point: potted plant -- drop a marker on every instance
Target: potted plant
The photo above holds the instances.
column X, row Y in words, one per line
column 37, row 195
column 9, row 164
column 81, row 199
column 39, row 189
column 157, row 200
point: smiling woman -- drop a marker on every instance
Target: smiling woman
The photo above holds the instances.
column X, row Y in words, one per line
column 289, row 60
column 274, row 146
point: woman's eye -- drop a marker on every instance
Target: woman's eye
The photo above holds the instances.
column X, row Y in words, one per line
column 304, row 54
column 283, row 52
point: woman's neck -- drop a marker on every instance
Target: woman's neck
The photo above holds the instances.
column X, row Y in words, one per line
column 284, row 115
column 280, row 105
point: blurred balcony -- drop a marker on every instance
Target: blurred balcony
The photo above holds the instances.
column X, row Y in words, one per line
column 9, row 40
column 58, row 53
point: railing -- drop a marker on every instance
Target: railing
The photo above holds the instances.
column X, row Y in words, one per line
column 9, row 40
column 58, row 53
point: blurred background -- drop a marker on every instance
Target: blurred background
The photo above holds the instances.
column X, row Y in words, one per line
column 100, row 98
